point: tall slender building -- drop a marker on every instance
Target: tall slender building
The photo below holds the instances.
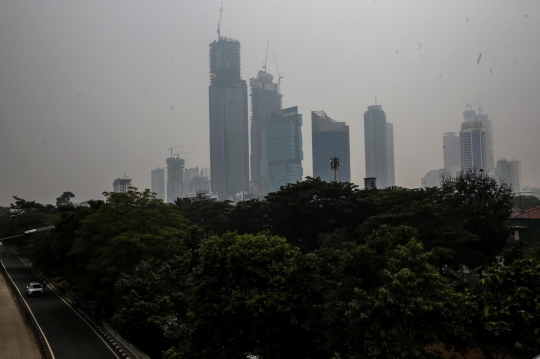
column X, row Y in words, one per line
column 509, row 172
column 379, row 147
column 329, row 139
column 265, row 99
column 175, row 178
column 229, row 142
column 158, row 183
column 452, row 150
column 284, row 148
column 477, row 142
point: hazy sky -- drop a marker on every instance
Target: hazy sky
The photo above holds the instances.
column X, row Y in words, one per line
column 92, row 90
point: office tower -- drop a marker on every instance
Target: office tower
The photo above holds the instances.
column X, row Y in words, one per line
column 432, row 178
column 121, row 184
column 265, row 99
column 452, row 150
column 379, row 147
column 189, row 174
column 158, row 183
column 477, row 142
column 229, row 142
column 509, row 172
column 284, row 148
column 329, row 139
column 175, row 178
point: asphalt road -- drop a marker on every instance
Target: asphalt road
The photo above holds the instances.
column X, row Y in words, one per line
column 68, row 335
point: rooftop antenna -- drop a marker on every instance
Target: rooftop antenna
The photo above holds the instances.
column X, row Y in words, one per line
column 334, row 165
column 266, row 58
column 280, row 74
column 219, row 23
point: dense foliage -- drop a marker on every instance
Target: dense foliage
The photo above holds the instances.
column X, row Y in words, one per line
column 316, row 270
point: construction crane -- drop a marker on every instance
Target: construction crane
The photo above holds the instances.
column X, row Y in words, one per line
column 183, row 153
column 468, row 106
column 266, row 57
column 219, row 23
column 280, row 74
column 172, row 148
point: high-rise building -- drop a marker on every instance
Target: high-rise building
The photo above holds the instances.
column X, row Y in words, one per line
column 284, row 148
column 229, row 142
column 509, row 172
column 121, row 184
column 265, row 99
column 477, row 142
column 379, row 147
column 175, row 178
column 330, row 139
column 158, row 183
column 452, row 150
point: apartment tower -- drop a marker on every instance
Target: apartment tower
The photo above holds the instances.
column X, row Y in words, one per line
column 158, row 183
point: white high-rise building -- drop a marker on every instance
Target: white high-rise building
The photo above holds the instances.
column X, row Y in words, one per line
column 158, row 183
column 379, row 147
column 121, row 184
column 452, row 150
column 477, row 142
column 509, row 172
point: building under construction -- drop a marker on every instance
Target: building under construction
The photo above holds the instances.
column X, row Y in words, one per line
column 175, row 178
column 330, row 139
column 229, row 141
column 265, row 99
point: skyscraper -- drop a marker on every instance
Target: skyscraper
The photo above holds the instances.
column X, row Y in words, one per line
column 509, row 172
column 379, row 147
column 175, row 178
column 452, row 150
column 158, row 183
column 121, row 184
column 477, row 142
column 265, row 99
column 330, row 139
column 229, row 142
column 284, row 148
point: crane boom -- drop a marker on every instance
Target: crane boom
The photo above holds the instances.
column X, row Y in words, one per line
column 172, row 148
column 219, row 23
column 266, row 57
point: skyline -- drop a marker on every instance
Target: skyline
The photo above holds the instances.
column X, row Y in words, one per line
column 95, row 90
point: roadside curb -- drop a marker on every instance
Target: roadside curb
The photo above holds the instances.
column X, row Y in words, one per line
column 28, row 317
column 106, row 335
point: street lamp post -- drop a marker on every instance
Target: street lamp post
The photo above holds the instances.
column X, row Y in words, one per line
column 30, row 231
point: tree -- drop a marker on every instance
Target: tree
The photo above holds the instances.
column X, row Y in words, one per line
column 526, row 202
column 302, row 211
column 209, row 215
column 152, row 305
column 128, row 228
column 386, row 299
column 64, row 199
column 484, row 207
column 244, row 299
column 249, row 216
column 510, row 303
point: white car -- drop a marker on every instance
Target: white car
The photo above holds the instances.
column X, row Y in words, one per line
column 34, row 288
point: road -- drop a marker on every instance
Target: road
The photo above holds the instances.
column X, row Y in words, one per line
column 68, row 335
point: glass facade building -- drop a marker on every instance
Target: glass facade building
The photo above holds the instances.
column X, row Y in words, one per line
column 329, row 139
column 284, row 148
column 379, row 147
column 265, row 99
column 229, row 142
